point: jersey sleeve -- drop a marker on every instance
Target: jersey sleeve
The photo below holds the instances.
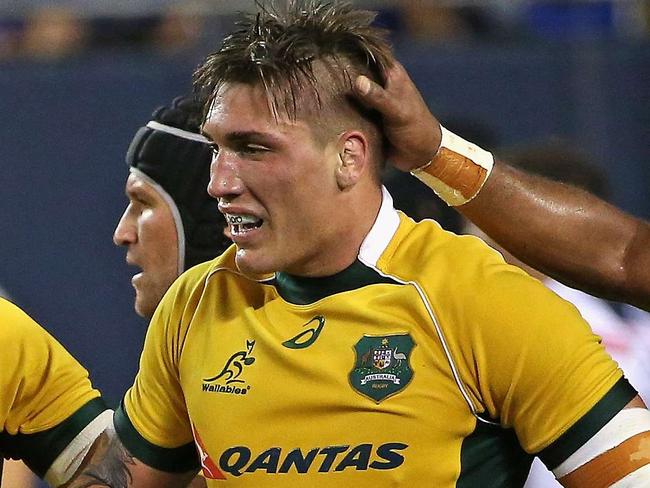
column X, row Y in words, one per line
column 152, row 421
column 46, row 398
column 537, row 366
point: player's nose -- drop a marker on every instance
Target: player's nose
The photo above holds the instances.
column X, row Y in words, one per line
column 224, row 178
column 125, row 232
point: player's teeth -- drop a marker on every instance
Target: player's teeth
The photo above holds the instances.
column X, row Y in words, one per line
column 241, row 219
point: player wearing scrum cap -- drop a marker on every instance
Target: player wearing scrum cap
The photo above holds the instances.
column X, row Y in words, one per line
column 170, row 223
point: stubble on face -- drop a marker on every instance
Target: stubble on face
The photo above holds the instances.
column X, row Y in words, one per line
column 284, row 176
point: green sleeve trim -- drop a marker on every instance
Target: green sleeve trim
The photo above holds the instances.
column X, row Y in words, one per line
column 39, row 450
column 585, row 428
column 172, row 460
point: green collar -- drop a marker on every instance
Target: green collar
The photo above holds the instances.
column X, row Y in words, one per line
column 302, row 290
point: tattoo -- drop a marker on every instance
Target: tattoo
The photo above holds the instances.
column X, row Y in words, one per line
column 108, row 466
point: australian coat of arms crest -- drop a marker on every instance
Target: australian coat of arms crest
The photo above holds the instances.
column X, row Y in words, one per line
column 382, row 365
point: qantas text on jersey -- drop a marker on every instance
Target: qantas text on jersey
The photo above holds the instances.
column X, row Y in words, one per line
column 239, row 460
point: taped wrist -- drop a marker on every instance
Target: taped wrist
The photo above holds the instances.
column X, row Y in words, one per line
column 458, row 171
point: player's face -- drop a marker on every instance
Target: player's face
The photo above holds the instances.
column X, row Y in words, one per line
column 275, row 184
column 148, row 231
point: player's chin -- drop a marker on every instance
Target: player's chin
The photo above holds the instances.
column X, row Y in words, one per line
column 144, row 305
column 145, row 311
column 255, row 262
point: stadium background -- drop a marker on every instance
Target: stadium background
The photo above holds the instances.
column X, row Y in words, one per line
column 525, row 70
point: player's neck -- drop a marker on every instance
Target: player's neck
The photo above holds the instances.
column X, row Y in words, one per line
column 356, row 217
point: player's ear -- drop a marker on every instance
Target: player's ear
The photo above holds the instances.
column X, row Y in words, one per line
column 352, row 159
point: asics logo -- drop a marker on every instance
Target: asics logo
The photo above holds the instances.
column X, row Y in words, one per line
column 308, row 336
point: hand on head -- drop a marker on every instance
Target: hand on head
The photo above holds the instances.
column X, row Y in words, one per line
column 413, row 132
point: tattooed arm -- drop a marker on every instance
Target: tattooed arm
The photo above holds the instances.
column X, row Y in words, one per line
column 109, row 464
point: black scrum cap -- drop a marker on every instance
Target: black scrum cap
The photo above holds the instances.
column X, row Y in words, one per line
column 171, row 154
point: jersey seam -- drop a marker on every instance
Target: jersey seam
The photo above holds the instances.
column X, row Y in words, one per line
column 447, row 351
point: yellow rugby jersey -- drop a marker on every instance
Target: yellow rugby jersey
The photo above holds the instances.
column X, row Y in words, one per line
column 46, row 398
column 428, row 362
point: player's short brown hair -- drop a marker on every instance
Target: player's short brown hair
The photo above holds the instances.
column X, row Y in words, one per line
column 306, row 56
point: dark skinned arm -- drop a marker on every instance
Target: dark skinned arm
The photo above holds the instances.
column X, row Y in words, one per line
column 564, row 232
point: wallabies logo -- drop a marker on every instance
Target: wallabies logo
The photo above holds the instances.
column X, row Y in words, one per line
column 229, row 379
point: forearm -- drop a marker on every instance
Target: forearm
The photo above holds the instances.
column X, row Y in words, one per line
column 566, row 233
column 109, row 464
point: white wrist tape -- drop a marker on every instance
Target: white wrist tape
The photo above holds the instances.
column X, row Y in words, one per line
column 627, row 423
column 617, row 455
column 458, row 171
column 67, row 463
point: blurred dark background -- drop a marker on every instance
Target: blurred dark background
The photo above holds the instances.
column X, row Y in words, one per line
column 78, row 79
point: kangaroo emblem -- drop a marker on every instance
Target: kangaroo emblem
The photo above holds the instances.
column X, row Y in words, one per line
column 235, row 365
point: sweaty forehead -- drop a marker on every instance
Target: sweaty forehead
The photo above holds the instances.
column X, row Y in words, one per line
column 238, row 102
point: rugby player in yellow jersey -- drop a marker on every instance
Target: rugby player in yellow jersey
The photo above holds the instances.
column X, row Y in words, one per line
column 339, row 343
column 568, row 233
column 49, row 412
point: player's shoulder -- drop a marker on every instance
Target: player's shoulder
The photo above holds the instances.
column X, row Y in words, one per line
column 199, row 273
column 9, row 310
column 426, row 249
column 195, row 280
column 16, row 322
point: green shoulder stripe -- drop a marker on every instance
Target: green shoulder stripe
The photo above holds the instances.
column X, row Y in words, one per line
column 585, row 428
column 39, row 450
column 172, row 460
